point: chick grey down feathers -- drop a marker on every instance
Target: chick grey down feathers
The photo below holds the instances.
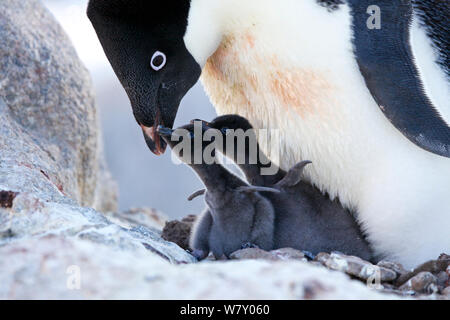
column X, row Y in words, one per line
column 283, row 213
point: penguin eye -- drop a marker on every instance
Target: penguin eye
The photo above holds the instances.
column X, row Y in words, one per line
column 158, row 61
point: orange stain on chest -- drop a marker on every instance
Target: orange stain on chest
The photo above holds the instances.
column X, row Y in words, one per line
column 237, row 73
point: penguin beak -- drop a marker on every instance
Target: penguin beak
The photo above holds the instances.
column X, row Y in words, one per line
column 154, row 142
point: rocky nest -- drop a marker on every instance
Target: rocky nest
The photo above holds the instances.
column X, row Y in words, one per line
column 430, row 279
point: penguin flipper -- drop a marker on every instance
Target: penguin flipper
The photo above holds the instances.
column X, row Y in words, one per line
column 386, row 62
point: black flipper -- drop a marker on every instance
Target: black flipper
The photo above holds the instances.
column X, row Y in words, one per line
column 196, row 194
column 386, row 61
column 293, row 176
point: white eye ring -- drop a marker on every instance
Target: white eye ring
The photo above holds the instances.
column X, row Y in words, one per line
column 156, row 55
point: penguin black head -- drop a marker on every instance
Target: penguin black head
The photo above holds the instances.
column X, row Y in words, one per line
column 228, row 125
column 143, row 41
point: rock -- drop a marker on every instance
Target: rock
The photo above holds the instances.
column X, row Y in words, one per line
column 31, row 217
column 322, row 257
column 409, row 293
column 423, row 282
column 432, row 266
column 56, row 266
column 289, row 254
column 7, row 198
column 357, row 267
column 442, row 279
column 49, row 138
column 179, row 231
column 396, row 267
column 136, row 217
column 252, row 254
column 274, row 255
column 444, row 256
column 446, row 292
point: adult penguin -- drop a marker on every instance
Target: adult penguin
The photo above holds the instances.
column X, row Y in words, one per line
column 359, row 87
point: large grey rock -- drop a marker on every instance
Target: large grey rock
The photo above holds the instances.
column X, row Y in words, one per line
column 356, row 267
column 31, row 217
column 49, row 137
column 51, row 250
column 72, row 268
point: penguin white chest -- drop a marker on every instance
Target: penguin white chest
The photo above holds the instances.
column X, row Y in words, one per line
column 239, row 76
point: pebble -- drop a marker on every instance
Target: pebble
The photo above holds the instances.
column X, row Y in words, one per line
column 179, row 231
column 442, row 279
column 358, row 267
column 446, row 292
column 322, row 257
column 423, row 282
column 252, row 253
column 274, row 255
column 432, row 266
column 394, row 266
column 430, row 277
column 289, row 254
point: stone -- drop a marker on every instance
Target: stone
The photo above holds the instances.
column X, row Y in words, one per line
column 150, row 218
column 7, row 198
column 49, row 137
column 31, row 217
column 423, row 282
column 446, row 292
column 357, row 267
column 179, row 231
column 274, row 255
column 60, row 267
column 432, row 266
column 289, row 254
column 443, row 279
column 322, row 257
column 402, row 293
column 396, row 267
column 444, row 256
column 253, row 254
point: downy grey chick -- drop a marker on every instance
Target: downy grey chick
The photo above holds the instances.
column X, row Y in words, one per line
column 236, row 213
column 305, row 218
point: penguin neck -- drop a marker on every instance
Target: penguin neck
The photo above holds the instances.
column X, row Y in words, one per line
column 255, row 173
column 216, row 178
column 254, row 177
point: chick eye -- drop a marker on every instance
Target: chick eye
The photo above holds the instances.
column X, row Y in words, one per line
column 158, row 61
